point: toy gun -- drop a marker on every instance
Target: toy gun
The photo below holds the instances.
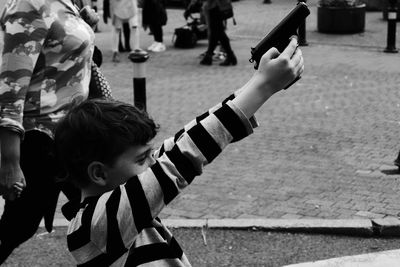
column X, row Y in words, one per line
column 279, row 37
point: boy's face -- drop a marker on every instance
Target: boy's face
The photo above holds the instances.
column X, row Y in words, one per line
column 132, row 162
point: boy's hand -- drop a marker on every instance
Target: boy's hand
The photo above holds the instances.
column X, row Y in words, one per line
column 277, row 70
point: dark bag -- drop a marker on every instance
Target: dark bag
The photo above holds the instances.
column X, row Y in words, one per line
column 226, row 9
column 184, row 37
column 188, row 35
column 227, row 13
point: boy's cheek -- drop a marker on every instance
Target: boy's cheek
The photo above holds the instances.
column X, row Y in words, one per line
column 141, row 169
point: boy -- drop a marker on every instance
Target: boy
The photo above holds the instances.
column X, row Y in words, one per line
column 105, row 147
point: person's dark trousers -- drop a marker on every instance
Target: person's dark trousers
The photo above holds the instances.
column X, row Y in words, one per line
column 127, row 36
column 157, row 31
column 217, row 33
column 21, row 218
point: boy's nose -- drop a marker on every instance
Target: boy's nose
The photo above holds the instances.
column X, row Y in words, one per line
column 152, row 160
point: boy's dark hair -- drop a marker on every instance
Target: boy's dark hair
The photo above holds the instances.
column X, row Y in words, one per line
column 99, row 130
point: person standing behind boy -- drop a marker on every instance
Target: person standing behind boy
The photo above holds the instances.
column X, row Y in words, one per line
column 120, row 12
column 154, row 16
column 46, row 68
column 106, row 148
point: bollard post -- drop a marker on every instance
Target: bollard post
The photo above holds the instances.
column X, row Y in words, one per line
column 139, row 58
column 302, row 30
column 267, row 2
column 391, row 30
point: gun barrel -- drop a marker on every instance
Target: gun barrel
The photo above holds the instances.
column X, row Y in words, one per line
column 279, row 36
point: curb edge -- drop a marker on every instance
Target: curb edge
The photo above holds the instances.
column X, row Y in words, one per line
column 359, row 227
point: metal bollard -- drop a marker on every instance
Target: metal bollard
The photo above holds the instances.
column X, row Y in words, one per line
column 391, row 32
column 302, row 30
column 139, row 57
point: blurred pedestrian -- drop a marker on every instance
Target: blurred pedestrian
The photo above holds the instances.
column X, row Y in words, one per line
column 120, row 12
column 216, row 31
column 46, row 69
column 154, row 17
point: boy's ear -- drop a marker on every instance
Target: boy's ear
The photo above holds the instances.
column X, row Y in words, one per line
column 97, row 173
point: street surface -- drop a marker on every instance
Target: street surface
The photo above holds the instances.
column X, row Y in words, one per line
column 217, row 248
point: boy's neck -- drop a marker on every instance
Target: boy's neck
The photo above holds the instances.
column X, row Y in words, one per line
column 91, row 191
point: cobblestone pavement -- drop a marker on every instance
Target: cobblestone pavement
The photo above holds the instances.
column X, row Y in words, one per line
column 325, row 147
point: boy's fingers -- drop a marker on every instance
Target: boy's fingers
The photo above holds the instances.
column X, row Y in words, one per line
column 19, row 184
column 272, row 53
column 291, row 48
column 300, row 67
column 297, row 56
column 18, row 187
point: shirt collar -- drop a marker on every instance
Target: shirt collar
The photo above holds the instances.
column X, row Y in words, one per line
column 71, row 208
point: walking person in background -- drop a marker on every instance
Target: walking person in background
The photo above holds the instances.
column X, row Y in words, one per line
column 154, row 17
column 46, row 69
column 123, row 46
column 216, row 31
column 120, row 12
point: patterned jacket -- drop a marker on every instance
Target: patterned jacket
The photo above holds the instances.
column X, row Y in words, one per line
column 46, row 63
column 121, row 227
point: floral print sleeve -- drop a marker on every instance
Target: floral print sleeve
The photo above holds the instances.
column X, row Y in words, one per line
column 45, row 63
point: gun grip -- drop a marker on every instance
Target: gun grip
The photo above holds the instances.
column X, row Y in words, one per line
column 292, row 82
column 255, row 65
column 281, row 46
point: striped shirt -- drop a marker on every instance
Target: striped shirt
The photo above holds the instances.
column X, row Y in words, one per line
column 121, row 227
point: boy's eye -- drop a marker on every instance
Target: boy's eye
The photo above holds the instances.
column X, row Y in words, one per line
column 142, row 160
column 148, row 154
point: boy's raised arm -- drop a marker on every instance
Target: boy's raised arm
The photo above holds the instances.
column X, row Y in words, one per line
column 143, row 197
column 170, row 142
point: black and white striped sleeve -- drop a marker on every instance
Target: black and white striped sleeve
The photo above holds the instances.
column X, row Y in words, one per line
column 169, row 143
column 132, row 207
